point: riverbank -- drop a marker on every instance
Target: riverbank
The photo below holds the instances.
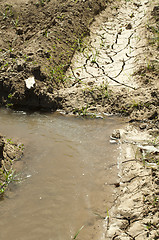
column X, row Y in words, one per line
column 114, row 70
column 117, row 72
column 135, row 214
column 38, row 41
column 10, row 152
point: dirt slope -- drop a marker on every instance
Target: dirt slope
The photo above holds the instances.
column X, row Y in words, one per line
column 39, row 38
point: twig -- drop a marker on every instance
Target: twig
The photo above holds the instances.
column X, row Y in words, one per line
column 119, row 82
column 130, row 160
column 128, row 181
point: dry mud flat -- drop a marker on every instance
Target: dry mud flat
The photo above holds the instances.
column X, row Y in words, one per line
column 116, row 68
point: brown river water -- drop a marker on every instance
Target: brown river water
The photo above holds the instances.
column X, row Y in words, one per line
column 64, row 171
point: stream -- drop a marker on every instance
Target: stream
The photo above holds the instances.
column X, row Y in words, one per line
column 65, row 175
column 69, row 165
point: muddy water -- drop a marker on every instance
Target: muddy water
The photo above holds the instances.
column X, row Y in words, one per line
column 65, row 170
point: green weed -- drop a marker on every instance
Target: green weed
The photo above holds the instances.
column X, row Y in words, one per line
column 155, row 31
column 45, row 33
column 7, row 176
column 41, row 3
column 155, row 141
column 136, row 105
column 15, row 22
column 9, row 140
column 82, row 112
column 155, row 202
column 94, row 57
column 61, row 16
column 21, row 146
column 103, row 89
column 8, row 12
column 58, row 73
column 9, row 105
column 149, row 226
column 78, row 232
column 10, row 96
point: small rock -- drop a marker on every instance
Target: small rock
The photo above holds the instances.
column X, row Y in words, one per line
column 69, row 21
column 149, row 148
column 117, row 184
column 20, row 65
column 132, row 15
column 116, row 134
column 137, row 4
column 30, row 58
column 129, row 26
column 19, row 31
column 154, row 132
column 143, row 126
column 12, row 55
column 153, row 115
column 92, row 108
column 154, row 94
column 155, row 11
column 113, row 141
column 35, row 68
column 90, row 83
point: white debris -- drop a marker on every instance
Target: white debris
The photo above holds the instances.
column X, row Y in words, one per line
column 152, row 165
column 30, row 82
column 149, row 148
column 113, row 141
